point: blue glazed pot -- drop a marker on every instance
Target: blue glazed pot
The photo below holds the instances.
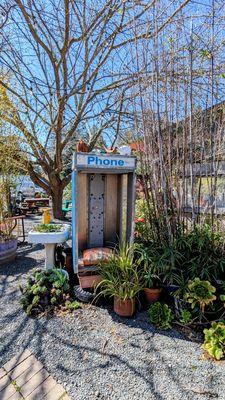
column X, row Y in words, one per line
column 8, row 250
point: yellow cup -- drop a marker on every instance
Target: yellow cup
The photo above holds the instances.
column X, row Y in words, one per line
column 46, row 216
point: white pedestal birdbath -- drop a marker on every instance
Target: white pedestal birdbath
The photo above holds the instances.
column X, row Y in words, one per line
column 50, row 239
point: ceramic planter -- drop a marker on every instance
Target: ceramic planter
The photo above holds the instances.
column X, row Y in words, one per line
column 88, row 281
column 152, row 295
column 50, row 240
column 124, row 308
column 8, row 250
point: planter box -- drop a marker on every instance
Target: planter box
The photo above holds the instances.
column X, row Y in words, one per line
column 89, row 281
column 8, row 251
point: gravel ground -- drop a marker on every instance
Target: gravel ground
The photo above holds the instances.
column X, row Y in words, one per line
column 97, row 355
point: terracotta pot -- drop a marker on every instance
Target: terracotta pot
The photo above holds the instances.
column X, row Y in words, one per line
column 152, row 295
column 88, row 281
column 124, row 308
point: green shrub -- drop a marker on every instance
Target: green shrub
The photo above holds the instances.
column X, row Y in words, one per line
column 160, row 315
column 46, row 290
column 199, row 252
column 214, row 342
column 203, row 253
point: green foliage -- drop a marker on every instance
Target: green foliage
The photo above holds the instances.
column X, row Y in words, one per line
column 151, row 280
column 202, row 253
column 120, row 274
column 222, row 298
column 197, row 253
column 45, row 289
column 185, row 317
column 200, row 293
column 45, row 228
column 214, row 342
column 141, row 208
column 72, row 305
column 142, row 227
column 150, row 270
column 160, row 261
column 160, row 315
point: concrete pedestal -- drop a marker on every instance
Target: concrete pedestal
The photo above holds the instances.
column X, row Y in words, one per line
column 49, row 255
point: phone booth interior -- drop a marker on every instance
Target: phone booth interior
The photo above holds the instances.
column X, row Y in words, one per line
column 103, row 200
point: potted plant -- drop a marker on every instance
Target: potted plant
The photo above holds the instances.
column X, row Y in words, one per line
column 152, row 289
column 120, row 280
column 8, row 242
column 151, row 275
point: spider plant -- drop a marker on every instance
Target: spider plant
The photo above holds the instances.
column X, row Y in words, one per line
column 120, row 274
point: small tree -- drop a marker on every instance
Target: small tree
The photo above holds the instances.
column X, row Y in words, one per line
column 11, row 162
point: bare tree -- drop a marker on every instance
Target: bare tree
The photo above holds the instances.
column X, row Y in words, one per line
column 69, row 66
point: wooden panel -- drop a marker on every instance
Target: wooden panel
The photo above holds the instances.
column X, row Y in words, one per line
column 122, row 206
column 111, row 210
column 96, row 184
column 130, row 206
column 82, row 210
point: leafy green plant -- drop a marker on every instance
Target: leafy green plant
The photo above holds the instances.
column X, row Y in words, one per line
column 222, row 298
column 46, row 290
column 214, row 342
column 149, row 271
column 185, row 317
column 203, row 253
column 120, row 274
column 200, row 293
column 72, row 305
column 151, row 280
column 199, row 252
column 160, row 315
column 47, row 228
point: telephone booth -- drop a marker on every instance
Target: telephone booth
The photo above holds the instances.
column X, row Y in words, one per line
column 103, row 199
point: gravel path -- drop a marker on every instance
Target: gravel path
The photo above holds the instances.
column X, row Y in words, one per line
column 97, row 355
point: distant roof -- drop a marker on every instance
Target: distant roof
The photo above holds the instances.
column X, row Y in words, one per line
column 137, row 146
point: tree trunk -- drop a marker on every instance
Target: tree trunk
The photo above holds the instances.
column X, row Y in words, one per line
column 57, row 198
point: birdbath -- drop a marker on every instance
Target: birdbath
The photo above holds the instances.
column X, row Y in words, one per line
column 50, row 240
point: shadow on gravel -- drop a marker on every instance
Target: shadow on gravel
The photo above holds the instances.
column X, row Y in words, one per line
column 139, row 320
column 22, row 263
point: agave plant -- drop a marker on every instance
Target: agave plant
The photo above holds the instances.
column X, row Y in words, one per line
column 200, row 293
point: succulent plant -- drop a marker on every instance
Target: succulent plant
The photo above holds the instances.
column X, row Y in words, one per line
column 214, row 342
column 160, row 315
column 185, row 317
column 44, row 289
column 72, row 305
column 200, row 293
